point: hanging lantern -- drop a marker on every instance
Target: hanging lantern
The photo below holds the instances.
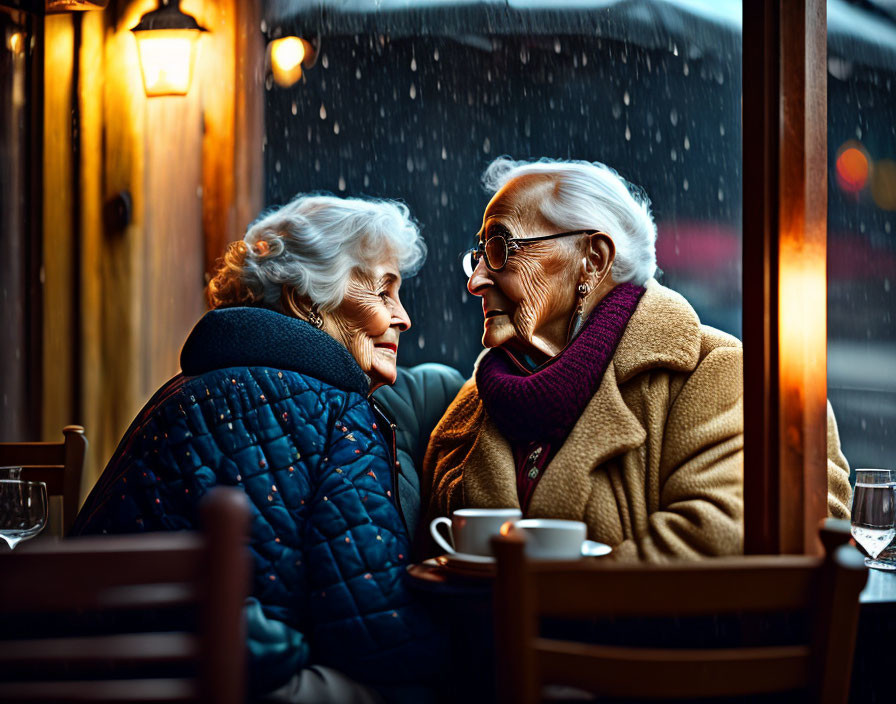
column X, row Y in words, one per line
column 167, row 40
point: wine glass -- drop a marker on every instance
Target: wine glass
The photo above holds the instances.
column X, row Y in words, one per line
column 23, row 509
column 873, row 514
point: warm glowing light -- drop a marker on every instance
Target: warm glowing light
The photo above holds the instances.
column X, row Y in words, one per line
column 802, row 314
column 166, row 59
column 15, row 42
column 852, row 167
column 883, row 184
column 287, row 54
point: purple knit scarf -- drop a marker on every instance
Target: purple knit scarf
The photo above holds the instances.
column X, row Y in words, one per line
column 545, row 405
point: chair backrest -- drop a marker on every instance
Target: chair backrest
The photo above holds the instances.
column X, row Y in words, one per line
column 60, row 465
column 80, row 580
column 826, row 589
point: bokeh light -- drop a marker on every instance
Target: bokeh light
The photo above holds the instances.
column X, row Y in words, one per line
column 15, row 42
column 287, row 54
column 883, row 184
column 853, row 167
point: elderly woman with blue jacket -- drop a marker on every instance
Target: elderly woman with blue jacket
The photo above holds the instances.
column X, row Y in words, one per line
column 275, row 397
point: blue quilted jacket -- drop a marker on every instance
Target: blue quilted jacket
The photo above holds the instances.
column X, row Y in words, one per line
column 268, row 403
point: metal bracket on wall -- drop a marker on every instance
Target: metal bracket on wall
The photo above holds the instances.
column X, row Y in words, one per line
column 118, row 212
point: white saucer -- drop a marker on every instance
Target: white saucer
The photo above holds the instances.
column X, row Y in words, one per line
column 592, row 548
column 463, row 558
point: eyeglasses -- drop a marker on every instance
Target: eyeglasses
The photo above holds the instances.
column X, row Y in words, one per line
column 498, row 248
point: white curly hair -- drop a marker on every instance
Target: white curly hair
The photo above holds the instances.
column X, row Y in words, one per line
column 312, row 245
column 591, row 196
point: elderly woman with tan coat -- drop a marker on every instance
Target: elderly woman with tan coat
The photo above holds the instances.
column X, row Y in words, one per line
column 601, row 397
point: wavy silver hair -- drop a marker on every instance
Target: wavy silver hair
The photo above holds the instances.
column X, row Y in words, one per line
column 591, row 196
column 315, row 241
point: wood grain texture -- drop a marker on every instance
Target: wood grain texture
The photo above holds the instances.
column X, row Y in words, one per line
column 785, row 183
column 58, row 227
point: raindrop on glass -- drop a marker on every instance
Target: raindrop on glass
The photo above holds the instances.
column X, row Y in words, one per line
column 323, row 112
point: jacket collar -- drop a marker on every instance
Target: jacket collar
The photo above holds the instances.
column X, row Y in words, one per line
column 664, row 331
column 258, row 337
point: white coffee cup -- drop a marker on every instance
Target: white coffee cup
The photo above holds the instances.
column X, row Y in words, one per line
column 471, row 529
column 552, row 538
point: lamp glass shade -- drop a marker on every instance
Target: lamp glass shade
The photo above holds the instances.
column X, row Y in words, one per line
column 167, row 57
column 287, row 54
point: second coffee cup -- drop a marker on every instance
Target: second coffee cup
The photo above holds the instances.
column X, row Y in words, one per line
column 471, row 529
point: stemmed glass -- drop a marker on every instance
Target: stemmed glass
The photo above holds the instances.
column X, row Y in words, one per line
column 873, row 514
column 23, row 507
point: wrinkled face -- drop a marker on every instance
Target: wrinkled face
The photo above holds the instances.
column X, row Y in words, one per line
column 369, row 320
column 528, row 304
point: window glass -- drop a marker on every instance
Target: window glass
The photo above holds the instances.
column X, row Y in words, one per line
column 413, row 103
column 862, row 229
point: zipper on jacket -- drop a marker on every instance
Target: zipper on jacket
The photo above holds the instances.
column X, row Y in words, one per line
column 386, row 422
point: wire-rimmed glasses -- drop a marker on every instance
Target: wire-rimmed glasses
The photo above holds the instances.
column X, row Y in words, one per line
column 874, row 514
column 497, row 248
column 23, row 507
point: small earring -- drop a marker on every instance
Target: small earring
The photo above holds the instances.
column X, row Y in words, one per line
column 315, row 318
column 578, row 317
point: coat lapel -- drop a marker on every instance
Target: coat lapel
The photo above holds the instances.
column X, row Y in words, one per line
column 664, row 331
column 606, row 429
column 489, row 472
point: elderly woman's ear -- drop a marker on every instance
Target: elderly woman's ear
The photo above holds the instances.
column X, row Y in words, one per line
column 600, row 253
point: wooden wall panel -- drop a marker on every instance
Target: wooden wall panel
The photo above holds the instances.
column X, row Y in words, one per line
column 173, row 254
column 90, row 104
column 121, row 315
column 143, row 285
column 59, row 229
column 249, row 122
column 233, row 114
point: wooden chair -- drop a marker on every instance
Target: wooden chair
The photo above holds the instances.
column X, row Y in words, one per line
column 59, row 465
column 111, row 576
column 826, row 589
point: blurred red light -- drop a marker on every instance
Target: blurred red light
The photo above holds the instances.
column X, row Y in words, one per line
column 852, row 169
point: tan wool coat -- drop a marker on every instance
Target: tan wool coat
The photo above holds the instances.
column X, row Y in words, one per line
column 654, row 465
